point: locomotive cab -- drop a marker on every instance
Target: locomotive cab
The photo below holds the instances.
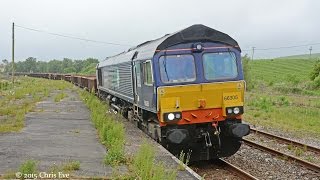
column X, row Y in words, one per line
column 200, row 93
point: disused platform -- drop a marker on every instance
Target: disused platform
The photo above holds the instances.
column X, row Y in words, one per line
column 56, row 133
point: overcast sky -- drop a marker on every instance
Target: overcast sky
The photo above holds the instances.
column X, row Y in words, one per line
column 258, row 23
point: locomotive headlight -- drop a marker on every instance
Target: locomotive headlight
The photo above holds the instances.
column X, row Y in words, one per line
column 178, row 116
column 170, row 116
column 236, row 110
column 199, row 47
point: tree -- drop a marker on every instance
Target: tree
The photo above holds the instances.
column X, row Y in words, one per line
column 55, row 66
column 30, row 65
column 66, row 65
column 42, row 67
column 5, row 62
column 78, row 65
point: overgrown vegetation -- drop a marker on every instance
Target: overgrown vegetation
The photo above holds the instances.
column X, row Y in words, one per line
column 18, row 99
column 71, row 166
column 145, row 167
column 282, row 96
column 112, row 135
column 59, row 97
column 111, row 132
column 28, row 167
column 67, row 65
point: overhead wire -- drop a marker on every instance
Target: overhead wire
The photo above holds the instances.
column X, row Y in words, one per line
column 73, row 37
column 128, row 45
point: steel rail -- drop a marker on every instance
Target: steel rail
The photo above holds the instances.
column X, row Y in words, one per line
column 241, row 173
column 289, row 141
column 302, row 162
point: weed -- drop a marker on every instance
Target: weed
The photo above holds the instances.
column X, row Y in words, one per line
column 184, row 161
column 145, row 168
column 310, row 158
column 20, row 99
column 9, row 175
column 59, row 97
column 28, row 167
column 71, row 166
column 298, row 151
column 111, row 132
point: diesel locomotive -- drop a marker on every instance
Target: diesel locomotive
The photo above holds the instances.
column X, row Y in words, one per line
column 185, row 89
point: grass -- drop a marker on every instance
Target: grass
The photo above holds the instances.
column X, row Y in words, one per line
column 59, row 97
column 28, row 167
column 302, row 56
column 281, row 97
column 20, row 98
column 111, row 131
column 112, row 134
column 71, row 166
column 27, row 170
column 184, row 160
column 65, row 168
column 145, row 167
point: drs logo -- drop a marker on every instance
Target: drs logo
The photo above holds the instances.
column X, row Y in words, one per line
column 230, row 98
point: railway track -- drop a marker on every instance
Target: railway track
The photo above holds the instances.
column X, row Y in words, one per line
column 302, row 162
column 285, row 140
column 245, row 175
column 220, row 169
column 236, row 170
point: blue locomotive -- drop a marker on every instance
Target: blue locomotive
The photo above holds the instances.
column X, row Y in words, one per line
column 185, row 89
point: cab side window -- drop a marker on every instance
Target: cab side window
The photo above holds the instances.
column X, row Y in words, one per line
column 147, row 73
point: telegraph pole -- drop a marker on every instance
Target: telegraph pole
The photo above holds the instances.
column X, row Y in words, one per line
column 12, row 53
column 252, row 52
column 310, row 49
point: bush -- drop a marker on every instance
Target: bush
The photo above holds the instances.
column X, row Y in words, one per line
column 315, row 71
column 28, row 167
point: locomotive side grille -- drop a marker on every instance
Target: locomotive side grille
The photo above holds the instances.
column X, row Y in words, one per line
column 118, row 78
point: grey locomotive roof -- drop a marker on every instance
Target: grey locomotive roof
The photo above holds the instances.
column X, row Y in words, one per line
column 147, row 49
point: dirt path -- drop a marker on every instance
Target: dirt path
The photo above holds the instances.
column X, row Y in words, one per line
column 57, row 132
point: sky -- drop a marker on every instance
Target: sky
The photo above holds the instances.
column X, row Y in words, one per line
column 252, row 23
